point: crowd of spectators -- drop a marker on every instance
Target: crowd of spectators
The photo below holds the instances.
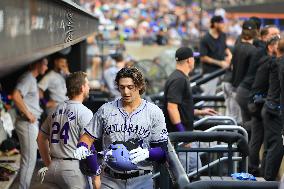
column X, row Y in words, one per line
column 163, row 22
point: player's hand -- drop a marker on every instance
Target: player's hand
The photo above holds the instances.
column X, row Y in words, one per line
column 139, row 154
column 81, row 153
column 31, row 117
column 208, row 111
column 224, row 64
column 51, row 104
column 41, row 173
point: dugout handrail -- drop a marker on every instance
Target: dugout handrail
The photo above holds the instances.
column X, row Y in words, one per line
column 233, row 185
column 231, row 128
column 222, row 136
column 209, row 77
column 212, row 164
column 231, row 121
column 175, row 169
column 195, row 77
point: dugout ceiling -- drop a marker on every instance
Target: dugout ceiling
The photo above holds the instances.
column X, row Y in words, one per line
column 268, row 7
column 31, row 29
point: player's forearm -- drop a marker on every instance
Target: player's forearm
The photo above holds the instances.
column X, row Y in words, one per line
column 228, row 53
column 197, row 112
column 209, row 60
column 96, row 180
column 87, row 139
column 19, row 102
column 43, row 145
column 173, row 113
column 41, row 93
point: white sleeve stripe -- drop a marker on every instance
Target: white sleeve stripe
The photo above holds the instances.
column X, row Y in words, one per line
column 159, row 141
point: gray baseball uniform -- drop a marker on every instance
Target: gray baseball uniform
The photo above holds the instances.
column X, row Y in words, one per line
column 26, row 131
column 64, row 127
column 109, row 77
column 112, row 124
column 55, row 83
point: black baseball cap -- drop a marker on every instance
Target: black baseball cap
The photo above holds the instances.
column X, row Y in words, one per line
column 249, row 25
column 184, row 53
column 217, row 19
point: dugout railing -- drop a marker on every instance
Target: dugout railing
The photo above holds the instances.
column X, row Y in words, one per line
column 174, row 174
column 211, row 121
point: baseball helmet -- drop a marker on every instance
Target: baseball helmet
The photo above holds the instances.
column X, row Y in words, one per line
column 119, row 157
column 90, row 166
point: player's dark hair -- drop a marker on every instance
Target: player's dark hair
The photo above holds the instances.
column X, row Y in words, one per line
column 36, row 63
column 249, row 34
column 118, row 57
column 74, row 82
column 135, row 75
column 57, row 56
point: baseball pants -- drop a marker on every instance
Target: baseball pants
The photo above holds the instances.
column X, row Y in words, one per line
column 257, row 134
column 141, row 182
column 66, row 174
column 192, row 159
column 27, row 133
column 273, row 141
column 232, row 107
column 209, row 89
column 242, row 97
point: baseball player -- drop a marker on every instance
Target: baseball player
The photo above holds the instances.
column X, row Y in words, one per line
column 134, row 135
column 60, row 133
column 26, row 98
column 54, row 82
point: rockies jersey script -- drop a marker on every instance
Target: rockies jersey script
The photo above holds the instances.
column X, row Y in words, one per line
column 112, row 124
column 65, row 126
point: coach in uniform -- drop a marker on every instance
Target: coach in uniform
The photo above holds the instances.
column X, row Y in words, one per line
column 134, row 135
column 26, row 98
column 60, row 133
column 54, row 82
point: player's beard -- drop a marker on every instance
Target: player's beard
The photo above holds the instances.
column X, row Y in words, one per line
column 86, row 95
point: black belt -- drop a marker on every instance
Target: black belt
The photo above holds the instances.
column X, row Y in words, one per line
column 70, row 159
column 125, row 176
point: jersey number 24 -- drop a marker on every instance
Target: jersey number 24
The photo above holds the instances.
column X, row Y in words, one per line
column 63, row 132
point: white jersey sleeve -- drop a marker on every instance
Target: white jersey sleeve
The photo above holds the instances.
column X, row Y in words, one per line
column 45, row 127
column 159, row 131
column 44, row 82
column 95, row 126
column 84, row 119
column 24, row 84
